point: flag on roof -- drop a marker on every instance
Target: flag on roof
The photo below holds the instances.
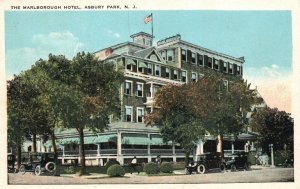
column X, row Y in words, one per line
column 148, row 19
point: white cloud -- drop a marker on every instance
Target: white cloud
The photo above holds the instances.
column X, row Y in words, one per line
column 20, row 59
column 113, row 34
column 273, row 84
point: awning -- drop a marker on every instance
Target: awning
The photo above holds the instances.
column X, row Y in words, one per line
column 135, row 139
column 106, row 138
column 68, row 140
column 247, row 136
column 158, row 141
column 142, row 65
column 130, row 62
column 48, row 144
column 89, row 139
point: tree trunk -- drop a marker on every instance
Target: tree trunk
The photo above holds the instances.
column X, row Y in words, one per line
column 33, row 142
column 220, row 144
column 187, row 157
column 19, row 158
column 81, row 150
column 53, row 142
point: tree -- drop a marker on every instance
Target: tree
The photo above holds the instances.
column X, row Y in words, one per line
column 17, row 97
column 175, row 119
column 185, row 112
column 89, row 94
column 274, row 127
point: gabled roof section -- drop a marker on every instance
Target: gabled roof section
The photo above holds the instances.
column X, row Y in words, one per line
column 149, row 53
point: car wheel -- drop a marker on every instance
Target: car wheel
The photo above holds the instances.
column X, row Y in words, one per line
column 232, row 168
column 201, row 169
column 50, row 167
column 222, row 167
column 22, row 169
column 38, row 170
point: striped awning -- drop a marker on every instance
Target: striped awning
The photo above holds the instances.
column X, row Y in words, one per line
column 130, row 62
column 135, row 139
column 158, row 141
column 106, row 138
column 142, row 65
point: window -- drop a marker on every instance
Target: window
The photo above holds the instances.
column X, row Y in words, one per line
column 170, row 54
column 193, row 58
column 130, row 63
column 225, row 67
column 216, row 65
column 163, row 54
column 194, row 77
column 175, row 74
column 238, row 70
column 139, row 114
column 183, row 55
column 183, row 76
column 128, row 113
column 167, row 72
column 128, row 67
column 157, row 70
column 139, row 89
column 209, row 62
column 149, row 71
column 200, row 60
column 128, row 87
column 230, row 68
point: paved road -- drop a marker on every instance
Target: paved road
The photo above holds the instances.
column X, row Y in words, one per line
column 253, row 176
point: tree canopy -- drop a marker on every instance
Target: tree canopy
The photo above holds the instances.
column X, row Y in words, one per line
column 274, row 127
column 186, row 112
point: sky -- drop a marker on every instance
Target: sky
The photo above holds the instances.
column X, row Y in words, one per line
column 264, row 38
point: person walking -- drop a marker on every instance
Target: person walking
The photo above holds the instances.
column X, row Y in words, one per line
column 133, row 165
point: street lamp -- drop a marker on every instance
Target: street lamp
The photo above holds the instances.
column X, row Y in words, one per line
column 272, row 155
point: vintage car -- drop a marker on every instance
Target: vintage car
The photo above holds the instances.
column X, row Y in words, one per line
column 11, row 160
column 205, row 162
column 237, row 160
column 39, row 163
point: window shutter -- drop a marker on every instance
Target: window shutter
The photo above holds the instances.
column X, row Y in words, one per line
column 163, row 71
column 234, row 69
column 172, row 73
column 221, row 65
column 189, row 56
column 241, row 70
column 206, row 60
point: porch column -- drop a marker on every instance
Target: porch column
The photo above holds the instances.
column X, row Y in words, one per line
column 174, row 153
column 199, row 149
column 148, row 150
column 151, row 90
column 119, row 147
column 98, row 150
column 232, row 147
column 63, row 150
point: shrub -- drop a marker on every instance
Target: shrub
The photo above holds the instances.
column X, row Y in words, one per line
column 251, row 158
column 166, row 168
column 116, row 171
column 281, row 156
column 110, row 163
column 70, row 170
column 151, row 168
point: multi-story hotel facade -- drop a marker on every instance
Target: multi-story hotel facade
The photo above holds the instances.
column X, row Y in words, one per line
column 147, row 68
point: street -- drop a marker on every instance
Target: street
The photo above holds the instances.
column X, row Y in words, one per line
column 257, row 175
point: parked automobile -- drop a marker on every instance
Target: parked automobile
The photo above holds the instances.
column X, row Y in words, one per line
column 205, row 162
column 39, row 163
column 238, row 160
column 11, row 160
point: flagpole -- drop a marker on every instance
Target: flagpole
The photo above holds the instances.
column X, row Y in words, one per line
column 152, row 27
